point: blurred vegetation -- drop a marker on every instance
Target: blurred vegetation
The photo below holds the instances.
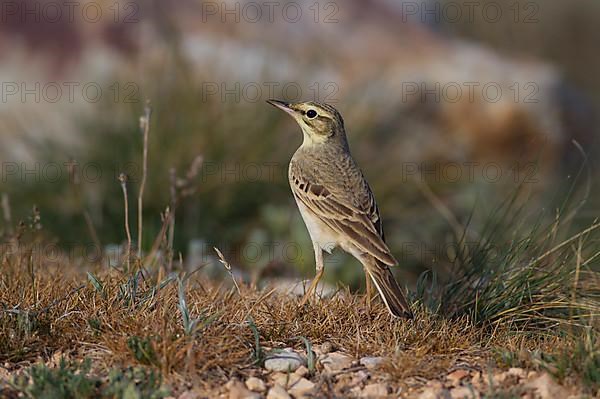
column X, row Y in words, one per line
column 243, row 196
column 560, row 32
column 233, row 209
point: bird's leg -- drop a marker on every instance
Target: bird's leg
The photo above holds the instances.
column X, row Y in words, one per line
column 320, row 269
column 369, row 289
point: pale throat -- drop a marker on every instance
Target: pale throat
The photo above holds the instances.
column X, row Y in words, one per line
column 310, row 139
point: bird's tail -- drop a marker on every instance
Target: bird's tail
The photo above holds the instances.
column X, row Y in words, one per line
column 389, row 289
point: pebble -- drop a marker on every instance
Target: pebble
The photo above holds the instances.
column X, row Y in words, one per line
column 360, row 377
column 374, row 391
column 336, row 361
column 532, row 374
column 498, row 379
column 519, row 372
column 477, row 379
column 547, row 388
column 256, row 384
column 302, row 371
column 286, row 360
column 371, row 362
column 464, row 393
column 4, row 374
column 325, row 348
column 456, row 376
column 302, row 387
column 286, row 380
column 237, row 390
column 435, row 393
column 189, row 395
column 277, row 392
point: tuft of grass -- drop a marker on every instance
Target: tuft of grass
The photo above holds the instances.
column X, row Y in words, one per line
column 71, row 380
column 525, row 273
column 134, row 383
column 191, row 325
column 259, row 354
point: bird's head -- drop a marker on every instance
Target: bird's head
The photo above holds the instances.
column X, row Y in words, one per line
column 320, row 123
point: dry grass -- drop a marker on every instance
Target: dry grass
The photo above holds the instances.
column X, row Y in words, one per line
column 48, row 311
column 45, row 311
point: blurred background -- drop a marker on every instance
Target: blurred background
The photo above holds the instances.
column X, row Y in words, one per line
column 450, row 108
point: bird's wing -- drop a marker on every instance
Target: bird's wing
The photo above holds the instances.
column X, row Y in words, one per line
column 357, row 220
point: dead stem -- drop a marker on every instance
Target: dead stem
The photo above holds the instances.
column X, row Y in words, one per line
column 145, row 127
column 123, row 181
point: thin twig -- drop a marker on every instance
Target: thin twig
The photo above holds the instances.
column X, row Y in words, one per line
column 123, row 180
column 166, row 219
column 228, row 268
column 145, row 127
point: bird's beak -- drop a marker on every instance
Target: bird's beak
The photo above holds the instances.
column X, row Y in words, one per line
column 281, row 105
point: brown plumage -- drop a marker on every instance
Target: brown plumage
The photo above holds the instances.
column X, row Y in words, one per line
column 336, row 202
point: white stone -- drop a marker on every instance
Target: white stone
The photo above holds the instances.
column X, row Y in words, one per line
column 284, row 361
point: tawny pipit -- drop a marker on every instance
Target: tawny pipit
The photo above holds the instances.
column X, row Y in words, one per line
column 336, row 202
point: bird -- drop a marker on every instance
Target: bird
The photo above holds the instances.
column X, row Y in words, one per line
column 336, row 202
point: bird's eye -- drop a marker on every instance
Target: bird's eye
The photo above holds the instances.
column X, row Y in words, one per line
column 311, row 113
